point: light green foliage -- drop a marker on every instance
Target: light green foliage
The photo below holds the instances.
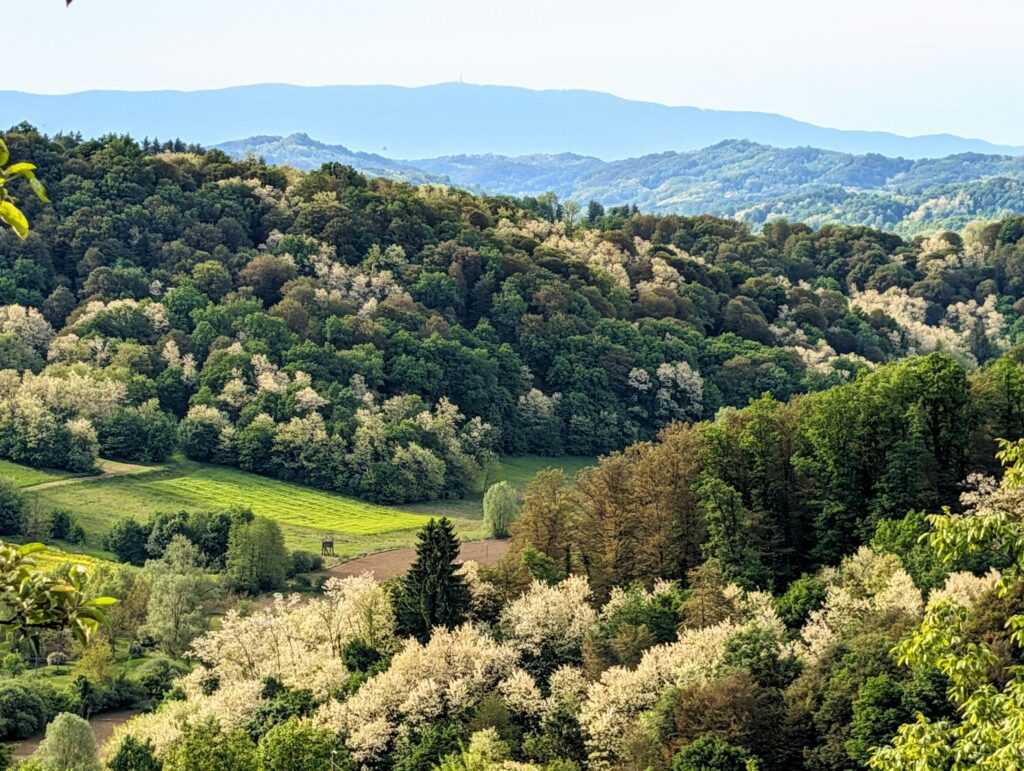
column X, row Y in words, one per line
column 298, row 746
column 10, row 214
column 96, row 663
column 32, row 601
column 989, row 731
column 711, row 754
column 485, row 751
column 501, row 502
column 736, row 537
column 203, row 747
column 12, row 665
column 256, row 558
column 175, row 610
column 69, row 745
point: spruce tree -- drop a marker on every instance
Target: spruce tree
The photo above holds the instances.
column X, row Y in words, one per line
column 431, row 593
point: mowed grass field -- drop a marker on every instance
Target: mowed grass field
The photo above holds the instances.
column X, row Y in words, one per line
column 23, row 476
column 305, row 514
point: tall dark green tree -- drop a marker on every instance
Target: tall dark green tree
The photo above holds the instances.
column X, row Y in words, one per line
column 431, row 593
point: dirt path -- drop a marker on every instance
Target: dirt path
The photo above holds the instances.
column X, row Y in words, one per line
column 387, row 564
column 108, row 468
column 102, row 725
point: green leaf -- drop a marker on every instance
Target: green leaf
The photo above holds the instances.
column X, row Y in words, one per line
column 30, row 548
column 24, row 169
column 103, row 601
column 27, row 170
column 12, row 215
column 4, row 153
column 38, row 189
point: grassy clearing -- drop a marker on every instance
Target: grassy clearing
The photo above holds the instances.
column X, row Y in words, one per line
column 23, row 476
column 305, row 514
column 518, row 471
column 287, row 503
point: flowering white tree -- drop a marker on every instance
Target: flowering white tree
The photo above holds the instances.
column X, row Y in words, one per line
column 425, row 682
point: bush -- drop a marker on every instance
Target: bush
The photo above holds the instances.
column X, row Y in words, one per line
column 279, row 705
column 713, row 754
column 157, row 676
column 57, row 659
column 134, row 755
column 295, row 746
column 202, row 746
column 61, row 521
column 24, row 709
column 127, row 540
column 12, row 508
column 12, row 665
column 804, row 595
column 436, row 741
column 304, row 562
column 76, row 534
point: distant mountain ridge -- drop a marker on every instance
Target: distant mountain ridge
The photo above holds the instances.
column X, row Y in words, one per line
column 743, row 179
column 450, row 118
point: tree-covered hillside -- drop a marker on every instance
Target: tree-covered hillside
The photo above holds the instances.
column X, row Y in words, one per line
column 383, row 340
column 748, row 579
column 751, row 182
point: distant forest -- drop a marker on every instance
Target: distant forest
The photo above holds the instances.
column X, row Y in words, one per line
column 751, row 182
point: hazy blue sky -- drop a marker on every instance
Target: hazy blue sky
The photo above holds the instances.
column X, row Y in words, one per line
column 908, row 66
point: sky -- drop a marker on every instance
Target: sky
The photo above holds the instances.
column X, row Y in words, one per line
column 907, row 66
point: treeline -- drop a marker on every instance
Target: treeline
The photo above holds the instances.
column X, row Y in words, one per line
column 777, row 489
column 386, row 340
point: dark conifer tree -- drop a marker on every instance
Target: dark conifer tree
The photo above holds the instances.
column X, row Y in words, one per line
column 431, row 594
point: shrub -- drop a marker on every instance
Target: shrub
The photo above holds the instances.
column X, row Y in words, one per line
column 57, row 659
column 23, row 710
column 127, row 540
column 304, row 562
column 297, row 746
column 76, row 534
column 157, row 677
column 134, row 755
column 12, row 508
column 203, row 746
column 61, row 521
column 712, row 754
column 13, row 665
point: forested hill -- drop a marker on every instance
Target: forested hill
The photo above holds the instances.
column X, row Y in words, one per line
column 368, row 336
column 749, row 181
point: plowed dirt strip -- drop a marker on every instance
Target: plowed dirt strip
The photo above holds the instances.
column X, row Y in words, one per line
column 386, row 564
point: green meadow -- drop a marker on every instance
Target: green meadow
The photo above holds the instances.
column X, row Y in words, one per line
column 305, row 514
